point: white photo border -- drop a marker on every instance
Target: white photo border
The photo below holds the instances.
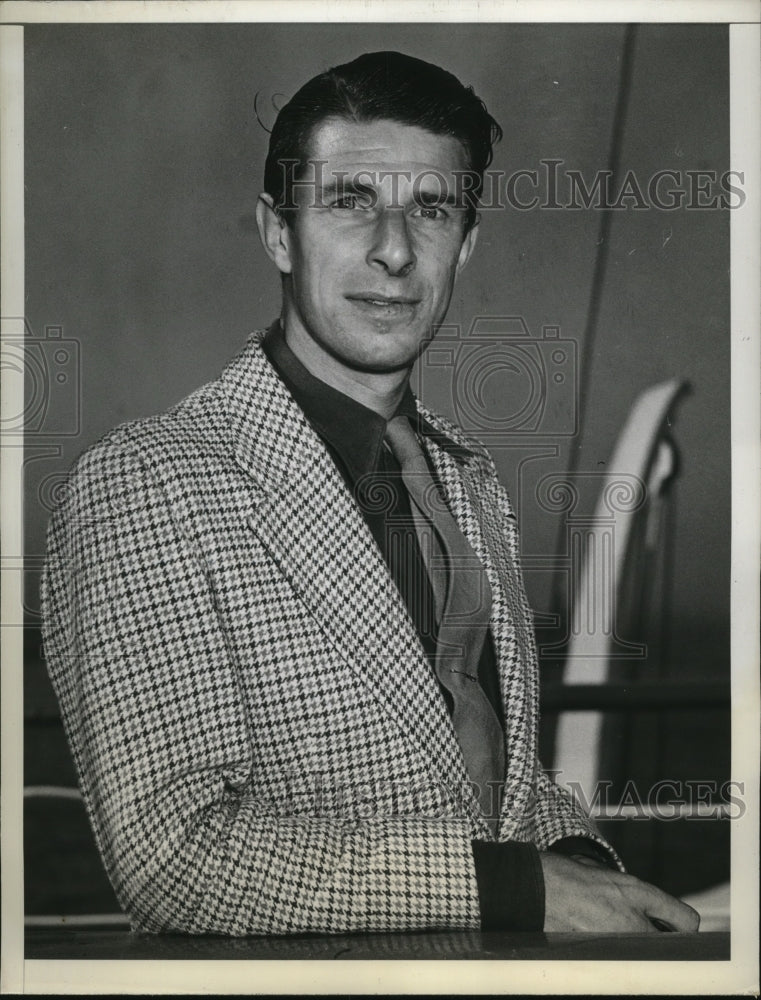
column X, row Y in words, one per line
column 738, row 975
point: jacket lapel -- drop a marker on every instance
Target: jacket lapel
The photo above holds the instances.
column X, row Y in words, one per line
column 482, row 512
column 310, row 525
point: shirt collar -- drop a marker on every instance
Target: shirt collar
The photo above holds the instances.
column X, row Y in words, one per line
column 355, row 431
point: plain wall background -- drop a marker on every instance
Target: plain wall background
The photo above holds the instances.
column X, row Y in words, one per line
column 144, row 157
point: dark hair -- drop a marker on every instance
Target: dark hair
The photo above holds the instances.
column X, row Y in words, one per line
column 383, row 85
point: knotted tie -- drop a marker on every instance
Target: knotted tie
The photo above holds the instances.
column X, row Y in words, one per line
column 463, row 605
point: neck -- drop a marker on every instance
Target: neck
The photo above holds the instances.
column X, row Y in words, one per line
column 378, row 391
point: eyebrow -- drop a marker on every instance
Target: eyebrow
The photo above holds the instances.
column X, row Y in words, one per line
column 427, row 199
column 344, row 186
column 433, row 200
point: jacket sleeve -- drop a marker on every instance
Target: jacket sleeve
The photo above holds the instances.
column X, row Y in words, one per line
column 559, row 816
column 162, row 744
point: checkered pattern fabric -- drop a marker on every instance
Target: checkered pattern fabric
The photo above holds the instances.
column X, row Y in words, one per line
column 261, row 744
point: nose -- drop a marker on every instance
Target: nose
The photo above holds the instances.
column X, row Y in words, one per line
column 392, row 247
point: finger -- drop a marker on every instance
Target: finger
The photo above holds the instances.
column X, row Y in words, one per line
column 673, row 912
column 641, row 924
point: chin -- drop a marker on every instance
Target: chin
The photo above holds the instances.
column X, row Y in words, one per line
column 389, row 357
column 380, row 363
column 385, row 367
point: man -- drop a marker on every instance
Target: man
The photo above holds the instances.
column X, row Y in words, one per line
column 285, row 620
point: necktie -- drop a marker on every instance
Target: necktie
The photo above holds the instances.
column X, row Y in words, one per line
column 463, row 600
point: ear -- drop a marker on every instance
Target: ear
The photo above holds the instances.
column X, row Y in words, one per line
column 468, row 244
column 274, row 233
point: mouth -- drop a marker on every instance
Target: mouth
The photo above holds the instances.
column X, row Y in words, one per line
column 383, row 305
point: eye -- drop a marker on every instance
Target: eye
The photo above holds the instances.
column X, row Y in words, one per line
column 432, row 212
column 350, row 201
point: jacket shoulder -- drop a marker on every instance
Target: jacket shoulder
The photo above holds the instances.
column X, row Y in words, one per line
column 188, row 434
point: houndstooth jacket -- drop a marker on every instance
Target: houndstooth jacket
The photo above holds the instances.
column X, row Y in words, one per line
column 261, row 744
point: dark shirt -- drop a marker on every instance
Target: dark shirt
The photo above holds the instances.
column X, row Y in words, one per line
column 509, row 874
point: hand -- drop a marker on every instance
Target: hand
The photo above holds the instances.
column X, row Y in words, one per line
column 582, row 895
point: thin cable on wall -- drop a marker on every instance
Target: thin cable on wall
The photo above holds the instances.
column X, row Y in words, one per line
column 598, row 274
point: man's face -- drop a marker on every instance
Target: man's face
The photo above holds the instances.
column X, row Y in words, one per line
column 373, row 248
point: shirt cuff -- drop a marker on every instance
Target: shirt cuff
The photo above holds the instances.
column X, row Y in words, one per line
column 584, row 846
column 510, row 886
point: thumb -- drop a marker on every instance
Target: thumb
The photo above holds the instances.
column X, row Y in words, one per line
column 676, row 915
